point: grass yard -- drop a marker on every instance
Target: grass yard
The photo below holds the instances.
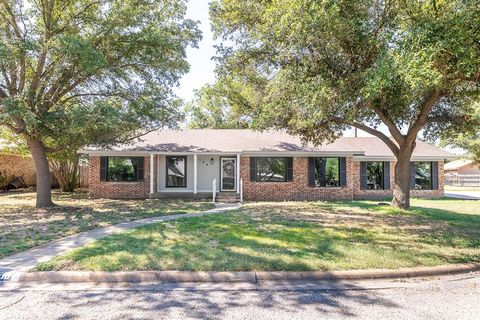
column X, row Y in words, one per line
column 293, row 236
column 22, row 226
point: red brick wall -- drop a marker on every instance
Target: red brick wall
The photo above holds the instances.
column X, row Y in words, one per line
column 121, row 190
column 298, row 189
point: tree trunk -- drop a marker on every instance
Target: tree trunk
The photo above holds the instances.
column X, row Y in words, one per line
column 401, row 182
column 44, row 183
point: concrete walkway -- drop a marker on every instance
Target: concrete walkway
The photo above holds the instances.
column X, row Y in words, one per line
column 26, row 260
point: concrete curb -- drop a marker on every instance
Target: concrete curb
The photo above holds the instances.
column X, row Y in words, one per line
column 225, row 277
column 134, row 276
column 370, row 273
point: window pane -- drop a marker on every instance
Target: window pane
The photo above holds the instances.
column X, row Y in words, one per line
column 375, row 175
column 122, row 169
column 271, row 169
column 423, row 175
column 176, row 172
column 327, row 172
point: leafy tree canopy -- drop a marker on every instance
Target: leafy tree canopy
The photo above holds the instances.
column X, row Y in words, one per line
column 468, row 141
column 68, row 65
column 226, row 104
column 328, row 65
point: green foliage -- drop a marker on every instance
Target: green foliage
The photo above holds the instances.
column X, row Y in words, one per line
column 468, row 140
column 78, row 73
column 227, row 104
column 91, row 72
column 329, row 65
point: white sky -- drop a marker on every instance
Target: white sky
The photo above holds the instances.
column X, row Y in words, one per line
column 201, row 64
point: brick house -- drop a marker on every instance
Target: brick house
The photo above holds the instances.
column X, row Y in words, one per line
column 270, row 165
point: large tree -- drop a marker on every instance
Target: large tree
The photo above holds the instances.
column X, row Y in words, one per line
column 226, row 104
column 58, row 58
column 409, row 66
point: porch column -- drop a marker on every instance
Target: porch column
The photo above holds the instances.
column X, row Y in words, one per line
column 194, row 173
column 151, row 173
column 238, row 173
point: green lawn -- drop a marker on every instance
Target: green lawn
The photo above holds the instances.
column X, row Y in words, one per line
column 22, row 226
column 293, row 236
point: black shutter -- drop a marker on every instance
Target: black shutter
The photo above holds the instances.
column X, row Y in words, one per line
column 311, row 172
column 141, row 169
column 103, row 168
column 435, row 175
column 253, row 169
column 363, row 175
column 343, row 172
column 412, row 175
column 386, row 175
column 289, row 162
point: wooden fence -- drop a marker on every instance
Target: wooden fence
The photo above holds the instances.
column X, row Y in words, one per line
column 83, row 173
column 462, row 180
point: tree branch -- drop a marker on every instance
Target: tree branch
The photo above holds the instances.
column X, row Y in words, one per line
column 396, row 134
column 390, row 144
column 422, row 117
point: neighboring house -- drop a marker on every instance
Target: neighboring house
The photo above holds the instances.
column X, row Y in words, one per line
column 462, row 166
column 271, row 165
column 14, row 165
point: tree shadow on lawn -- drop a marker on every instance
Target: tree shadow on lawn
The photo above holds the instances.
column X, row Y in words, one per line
column 215, row 304
column 454, row 220
column 235, row 242
column 23, row 226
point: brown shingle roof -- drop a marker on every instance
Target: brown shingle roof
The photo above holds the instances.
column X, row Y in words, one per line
column 235, row 141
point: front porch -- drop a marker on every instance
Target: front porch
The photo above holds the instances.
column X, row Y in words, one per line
column 195, row 176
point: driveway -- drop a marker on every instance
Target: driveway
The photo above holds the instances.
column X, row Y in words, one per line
column 451, row 297
column 467, row 195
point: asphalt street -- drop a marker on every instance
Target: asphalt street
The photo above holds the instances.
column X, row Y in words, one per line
column 451, row 297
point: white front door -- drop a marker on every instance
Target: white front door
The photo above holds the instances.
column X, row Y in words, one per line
column 228, row 169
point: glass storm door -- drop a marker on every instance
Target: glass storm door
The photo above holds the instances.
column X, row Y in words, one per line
column 228, row 174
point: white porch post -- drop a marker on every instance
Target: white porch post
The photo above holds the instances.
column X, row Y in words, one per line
column 151, row 173
column 194, row 173
column 238, row 173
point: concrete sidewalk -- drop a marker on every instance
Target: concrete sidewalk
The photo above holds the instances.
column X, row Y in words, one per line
column 26, row 260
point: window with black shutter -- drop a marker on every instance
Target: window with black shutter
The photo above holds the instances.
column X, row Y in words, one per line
column 375, row 175
column 271, row 169
column 122, row 169
column 423, row 176
column 327, row 172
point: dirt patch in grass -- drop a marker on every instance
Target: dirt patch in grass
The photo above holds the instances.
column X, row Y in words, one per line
column 23, row 226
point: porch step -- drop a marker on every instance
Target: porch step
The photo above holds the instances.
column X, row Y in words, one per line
column 227, row 197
